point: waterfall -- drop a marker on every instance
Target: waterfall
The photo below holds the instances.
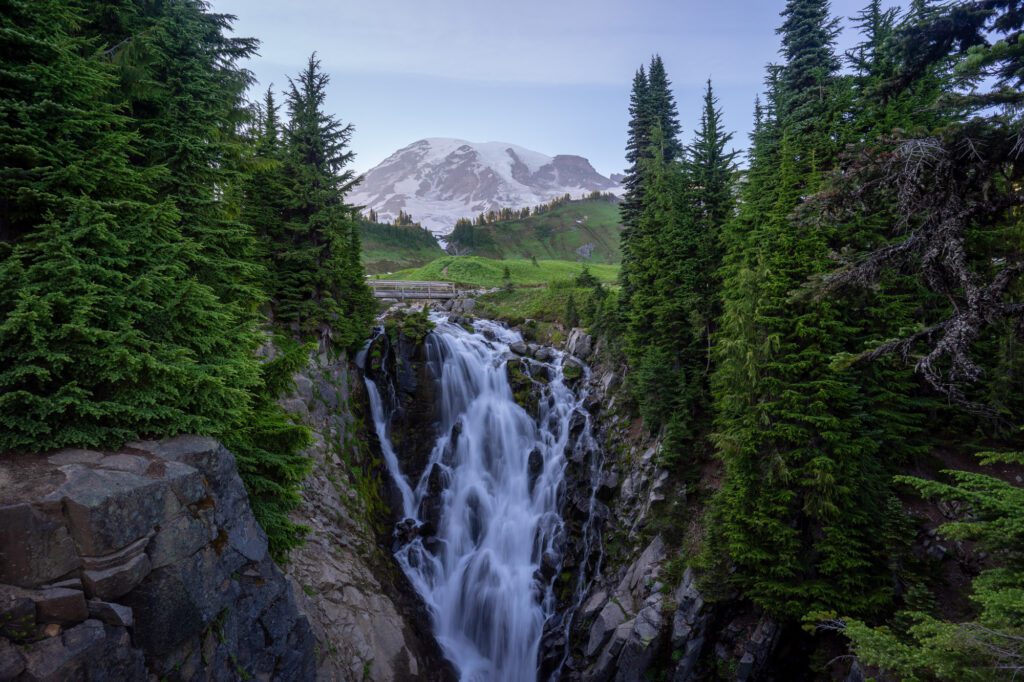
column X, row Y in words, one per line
column 489, row 538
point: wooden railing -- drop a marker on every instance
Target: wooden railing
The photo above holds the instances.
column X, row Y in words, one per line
column 386, row 288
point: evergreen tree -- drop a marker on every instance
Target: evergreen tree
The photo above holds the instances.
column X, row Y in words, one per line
column 662, row 105
column 804, row 490
column 105, row 333
column 637, row 142
column 990, row 647
column 265, row 190
column 572, row 314
column 320, row 279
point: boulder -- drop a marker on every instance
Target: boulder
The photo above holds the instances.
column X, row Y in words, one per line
column 35, row 546
column 534, row 466
column 643, row 645
column 60, row 605
column 579, row 343
column 12, row 662
column 109, row 509
column 432, row 503
column 89, row 524
column 89, row 651
column 111, row 614
column 610, row 617
column 118, row 580
column 544, row 354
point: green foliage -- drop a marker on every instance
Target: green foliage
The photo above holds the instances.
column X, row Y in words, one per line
column 990, row 647
column 268, row 447
column 572, row 315
column 412, row 325
column 386, row 248
column 485, row 272
column 801, row 438
column 565, row 231
column 106, row 333
column 145, row 222
column 318, row 275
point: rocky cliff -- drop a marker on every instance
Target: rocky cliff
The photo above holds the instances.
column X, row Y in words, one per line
column 368, row 622
column 142, row 564
column 641, row 613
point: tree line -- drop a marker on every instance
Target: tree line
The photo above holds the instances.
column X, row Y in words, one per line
column 820, row 321
column 157, row 230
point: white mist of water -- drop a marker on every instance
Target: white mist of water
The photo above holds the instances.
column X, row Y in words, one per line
column 499, row 521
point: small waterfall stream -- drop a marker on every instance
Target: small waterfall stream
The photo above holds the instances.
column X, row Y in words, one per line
column 495, row 481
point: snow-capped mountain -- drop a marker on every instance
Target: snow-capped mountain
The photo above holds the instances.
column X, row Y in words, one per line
column 439, row 180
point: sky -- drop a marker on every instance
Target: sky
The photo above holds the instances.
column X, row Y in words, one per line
column 549, row 75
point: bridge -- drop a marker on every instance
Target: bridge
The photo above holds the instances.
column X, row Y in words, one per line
column 386, row 288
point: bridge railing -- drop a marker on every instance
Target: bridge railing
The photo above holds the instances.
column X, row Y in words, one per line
column 383, row 288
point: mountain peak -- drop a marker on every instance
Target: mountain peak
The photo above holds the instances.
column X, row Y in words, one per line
column 441, row 179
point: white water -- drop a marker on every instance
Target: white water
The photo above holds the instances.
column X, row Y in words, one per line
column 481, row 581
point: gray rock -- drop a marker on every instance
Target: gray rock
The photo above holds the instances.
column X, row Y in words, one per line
column 111, row 614
column 116, row 581
column 17, row 613
column 609, row 380
column 610, row 617
column 544, row 354
column 518, row 347
column 35, row 548
column 75, row 456
column 745, row 667
column 593, row 604
column 182, row 537
column 304, row 387
column 643, row 569
column 579, row 343
column 60, row 605
column 605, row 667
column 12, row 662
column 643, row 645
column 133, row 464
column 688, row 660
column 215, row 605
column 89, row 651
column 107, row 510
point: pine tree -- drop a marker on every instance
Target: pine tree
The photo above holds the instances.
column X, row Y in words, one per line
column 265, row 190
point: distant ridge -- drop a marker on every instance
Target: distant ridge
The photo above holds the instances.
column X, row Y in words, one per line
column 439, row 180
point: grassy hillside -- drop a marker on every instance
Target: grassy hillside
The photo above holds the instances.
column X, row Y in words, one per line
column 486, row 272
column 387, row 248
column 585, row 230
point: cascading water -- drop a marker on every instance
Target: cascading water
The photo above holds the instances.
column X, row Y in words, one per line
column 494, row 481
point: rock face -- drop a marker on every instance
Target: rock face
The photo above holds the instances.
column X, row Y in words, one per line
column 368, row 622
column 142, row 563
column 408, row 381
column 633, row 623
column 439, row 180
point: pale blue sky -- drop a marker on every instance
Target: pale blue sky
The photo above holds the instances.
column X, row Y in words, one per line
column 552, row 75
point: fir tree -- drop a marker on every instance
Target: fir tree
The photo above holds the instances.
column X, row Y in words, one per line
column 320, row 280
column 106, row 335
column 802, row 478
column 637, row 142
